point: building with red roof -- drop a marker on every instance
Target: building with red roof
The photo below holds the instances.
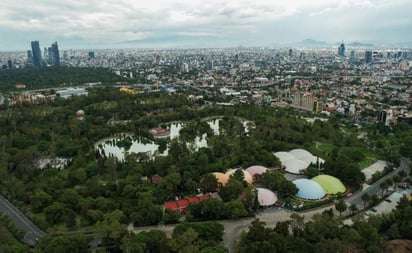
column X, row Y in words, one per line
column 181, row 205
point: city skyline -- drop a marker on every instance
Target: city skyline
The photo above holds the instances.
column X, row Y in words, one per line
column 180, row 23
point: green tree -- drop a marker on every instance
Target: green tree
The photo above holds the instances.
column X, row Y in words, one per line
column 365, row 198
column 231, row 190
column 55, row 213
column 235, row 209
column 187, row 242
column 384, row 185
column 153, row 241
column 209, row 183
column 341, row 206
column 330, row 245
column 111, row 230
column 64, row 244
column 207, row 230
column 261, row 239
column 353, row 209
column 40, row 200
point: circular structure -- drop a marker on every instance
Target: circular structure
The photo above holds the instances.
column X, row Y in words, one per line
column 297, row 160
column 80, row 114
column 266, row 197
column 248, row 178
column 309, row 189
column 221, row 177
column 331, row 185
column 306, row 156
column 284, row 156
column 295, row 166
column 256, row 170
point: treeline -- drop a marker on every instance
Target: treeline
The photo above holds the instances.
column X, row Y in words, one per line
column 202, row 237
column 37, row 78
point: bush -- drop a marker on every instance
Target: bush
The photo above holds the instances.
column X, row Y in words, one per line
column 17, row 232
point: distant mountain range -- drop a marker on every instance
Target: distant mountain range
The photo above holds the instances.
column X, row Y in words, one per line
column 360, row 44
column 311, row 43
column 319, row 43
column 184, row 41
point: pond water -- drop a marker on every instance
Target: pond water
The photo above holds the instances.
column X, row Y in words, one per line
column 110, row 146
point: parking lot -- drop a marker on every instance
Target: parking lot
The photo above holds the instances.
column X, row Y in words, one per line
column 389, row 203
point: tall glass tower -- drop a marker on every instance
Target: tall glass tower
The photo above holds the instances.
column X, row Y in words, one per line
column 55, row 55
column 341, row 50
column 35, row 49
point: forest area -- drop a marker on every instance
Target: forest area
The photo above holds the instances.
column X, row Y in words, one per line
column 95, row 194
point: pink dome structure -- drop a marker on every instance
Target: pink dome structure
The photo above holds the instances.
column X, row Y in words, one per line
column 266, row 197
column 256, row 170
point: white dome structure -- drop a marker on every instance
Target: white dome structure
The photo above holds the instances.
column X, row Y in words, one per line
column 80, row 114
column 305, row 155
column 284, row 156
column 297, row 160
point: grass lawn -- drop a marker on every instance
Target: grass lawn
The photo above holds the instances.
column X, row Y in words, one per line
column 321, row 149
column 370, row 157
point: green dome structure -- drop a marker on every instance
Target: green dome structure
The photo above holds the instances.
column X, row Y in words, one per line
column 331, row 185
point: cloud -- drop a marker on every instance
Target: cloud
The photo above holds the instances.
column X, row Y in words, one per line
column 108, row 22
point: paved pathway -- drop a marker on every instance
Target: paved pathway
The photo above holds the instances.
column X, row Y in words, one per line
column 33, row 233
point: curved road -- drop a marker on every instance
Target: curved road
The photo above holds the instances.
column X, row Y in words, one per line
column 33, row 233
column 375, row 188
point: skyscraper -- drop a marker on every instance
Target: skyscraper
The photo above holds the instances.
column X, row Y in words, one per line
column 35, row 49
column 54, row 54
column 29, row 55
column 368, row 57
column 341, row 50
column 352, row 57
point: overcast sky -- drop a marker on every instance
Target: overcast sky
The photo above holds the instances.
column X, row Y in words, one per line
column 200, row 23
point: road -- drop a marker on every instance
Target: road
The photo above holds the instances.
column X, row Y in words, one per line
column 33, row 233
column 374, row 188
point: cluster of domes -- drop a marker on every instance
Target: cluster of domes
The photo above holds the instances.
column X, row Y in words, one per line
column 318, row 187
column 311, row 189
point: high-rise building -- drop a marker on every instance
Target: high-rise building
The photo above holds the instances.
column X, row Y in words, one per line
column 368, row 57
column 352, row 57
column 91, row 55
column 29, row 55
column 341, row 50
column 304, row 100
column 65, row 56
column 35, row 49
column 54, row 54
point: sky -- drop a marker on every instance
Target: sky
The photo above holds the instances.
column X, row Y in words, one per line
column 93, row 24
